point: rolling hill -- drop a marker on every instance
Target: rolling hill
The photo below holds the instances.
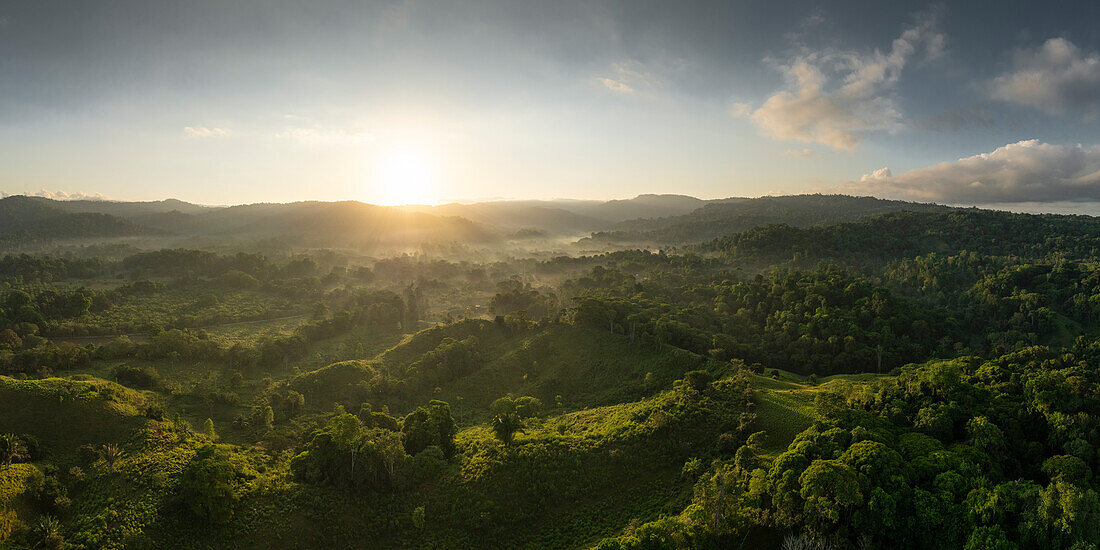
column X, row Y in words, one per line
column 29, row 219
column 716, row 219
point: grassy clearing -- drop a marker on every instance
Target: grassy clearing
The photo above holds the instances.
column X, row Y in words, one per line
column 785, row 404
column 63, row 414
column 251, row 332
column 586, row 368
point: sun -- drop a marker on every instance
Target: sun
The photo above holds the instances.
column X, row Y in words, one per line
column 406, row 176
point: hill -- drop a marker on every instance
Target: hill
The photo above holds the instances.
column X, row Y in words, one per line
column 518, row 215
column 127, row 209
column 28, row 219
column 907, row 234
column 573, row 366
column 327, row 223
column 716, row 219
column 63, row 414
column 566, row 217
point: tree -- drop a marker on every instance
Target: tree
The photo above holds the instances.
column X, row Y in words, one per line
column 527, row 406
column 989, row 538
column 1067, row 468
column 745, row 459
column 47, row 533
column 830, row 488
column 505, row 427
column 698, row 380
column 12, row 448
column 428, row 426
column 295, row 403
column 208, row 429
column 111, row 453
column 208, row 484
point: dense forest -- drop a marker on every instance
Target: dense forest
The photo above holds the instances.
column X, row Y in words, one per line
column 802, row 372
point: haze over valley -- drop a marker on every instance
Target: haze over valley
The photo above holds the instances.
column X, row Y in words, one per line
column 791, row 276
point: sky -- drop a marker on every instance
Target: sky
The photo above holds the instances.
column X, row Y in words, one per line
column 977, row 102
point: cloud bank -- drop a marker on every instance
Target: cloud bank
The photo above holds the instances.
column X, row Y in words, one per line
column 835, row 98
column 1057, row 78
column 1026, row 171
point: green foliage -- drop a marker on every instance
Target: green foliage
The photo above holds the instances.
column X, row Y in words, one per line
column 430, row 426
column 208, row 484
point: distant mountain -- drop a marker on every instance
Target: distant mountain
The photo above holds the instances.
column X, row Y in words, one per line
column 642, row 206
column 169, row 215
column 716, row 219
column 565, row 216
column 519, row 215
column 33, row 218
column 906, row 234
column 347, row 222
column 128, row 209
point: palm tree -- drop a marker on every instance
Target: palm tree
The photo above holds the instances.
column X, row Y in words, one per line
column 11, row 448
column 111, row 454
column 47, row 532
column 506, row 425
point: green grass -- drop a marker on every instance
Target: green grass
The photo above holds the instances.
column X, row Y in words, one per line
column 587, row 368
column 64, row 414
column 785, row 404
column 251, row 332
column 783, row 414
column 16, row 510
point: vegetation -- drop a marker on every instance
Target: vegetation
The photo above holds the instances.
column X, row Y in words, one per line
column 849, row 378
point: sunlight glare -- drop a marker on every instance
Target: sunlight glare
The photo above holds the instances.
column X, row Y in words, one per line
column 406, row 176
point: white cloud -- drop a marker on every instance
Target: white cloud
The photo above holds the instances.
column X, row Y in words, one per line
column 1026, row 171
column 633, row 76
column 880, row 174
column 615, row 85
column 204, row 132
column 318, row 135
column 1056, row 78
column 835, row 97
column 62, row 195
column 799, row 153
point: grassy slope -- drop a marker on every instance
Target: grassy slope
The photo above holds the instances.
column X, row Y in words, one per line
column 15, row 505
column 64, row 414
column 785, row 405
column 573, row 477
column 585, row 367
column 570, row 480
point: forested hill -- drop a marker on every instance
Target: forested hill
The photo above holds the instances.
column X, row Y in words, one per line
column 28, row 218
column 906, row 234
column 735, row 215
column 310, row 223
column 336, row 223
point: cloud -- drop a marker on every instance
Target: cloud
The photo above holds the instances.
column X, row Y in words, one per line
column 799, row 153
column 615, row 85
column 633, row 76
column 1026, row 171
column 1057, row 78
column 319, row 135
column 836, row 97
column 880, row 174
column 204, row 132
column 62, row 196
